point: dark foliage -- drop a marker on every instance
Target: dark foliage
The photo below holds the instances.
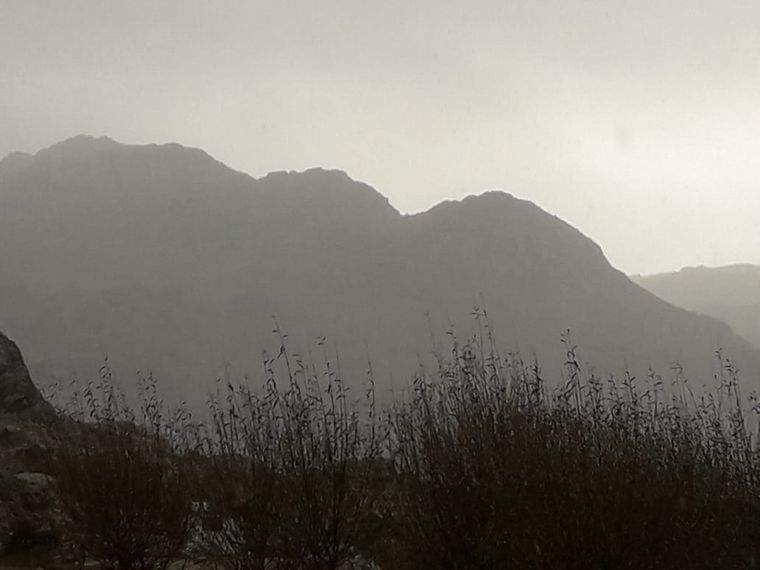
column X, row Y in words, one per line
column 494, row 470
column 125, row 494
column 482, row 465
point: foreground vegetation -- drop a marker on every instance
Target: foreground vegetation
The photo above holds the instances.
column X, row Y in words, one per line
column 479, row 465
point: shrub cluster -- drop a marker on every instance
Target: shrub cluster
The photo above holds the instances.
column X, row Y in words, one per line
column 479, row 465
column 120, row 479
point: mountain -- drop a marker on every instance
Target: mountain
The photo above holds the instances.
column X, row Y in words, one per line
column 730, row 293
column 165, row 260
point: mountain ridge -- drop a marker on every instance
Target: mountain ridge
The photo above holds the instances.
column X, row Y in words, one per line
column 170, row 262
column 730, row 293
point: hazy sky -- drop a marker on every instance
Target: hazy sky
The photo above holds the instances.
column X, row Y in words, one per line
column 638, row 122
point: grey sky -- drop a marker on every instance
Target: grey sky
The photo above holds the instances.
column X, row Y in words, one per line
column 637, row 122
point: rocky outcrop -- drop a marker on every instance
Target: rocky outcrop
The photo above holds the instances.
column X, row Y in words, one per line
column 18, row 394
column 28, row 516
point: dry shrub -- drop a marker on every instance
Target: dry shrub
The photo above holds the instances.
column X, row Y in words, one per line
column 479, row 466
column 289, row 473
column 124, row 492
column 494, row 470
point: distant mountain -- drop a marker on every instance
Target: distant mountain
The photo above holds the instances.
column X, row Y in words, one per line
column 166, row 260
column 730, row 293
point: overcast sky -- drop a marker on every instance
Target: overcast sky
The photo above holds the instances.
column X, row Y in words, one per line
column 638, row 122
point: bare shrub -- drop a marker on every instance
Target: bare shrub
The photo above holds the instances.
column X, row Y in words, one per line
column 493, row 470
column 478, row 466
column 123, row 490
column 291, row 472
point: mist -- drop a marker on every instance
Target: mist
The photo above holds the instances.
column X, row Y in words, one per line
column 637, row 124
column 392, row 285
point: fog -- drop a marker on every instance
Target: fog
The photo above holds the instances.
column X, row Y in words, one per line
column 635, row 122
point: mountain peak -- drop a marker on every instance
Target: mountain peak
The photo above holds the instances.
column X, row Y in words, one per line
column 493, row 195
column 87, row 146
column 99, row 156
column 328, row 189
column 79, row 144
column 483, row 202
column 15, row 160
column 495, row 206
column 496, row 199
column 314, row 174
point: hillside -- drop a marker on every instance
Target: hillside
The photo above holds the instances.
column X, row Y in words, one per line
column 730, row 293
column 166, row 260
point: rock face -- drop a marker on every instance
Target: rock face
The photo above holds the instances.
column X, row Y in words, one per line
column 29, row 517
column 18, row 394
column 27, row 508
